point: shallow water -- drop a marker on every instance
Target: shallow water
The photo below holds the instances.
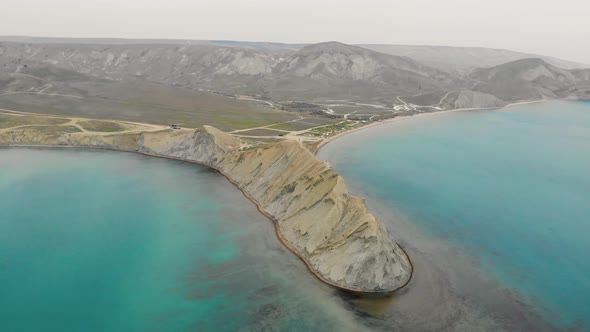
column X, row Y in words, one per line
column 107, row 241
column 509, row 189
column 490, row 205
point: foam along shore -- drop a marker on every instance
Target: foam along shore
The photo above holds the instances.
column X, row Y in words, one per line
column 315, row 216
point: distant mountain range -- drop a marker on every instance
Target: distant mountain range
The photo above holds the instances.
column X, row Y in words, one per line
column 530, row 79
column 442, row 77
column 463, row 59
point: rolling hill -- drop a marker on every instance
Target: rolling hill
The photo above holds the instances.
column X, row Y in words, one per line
column 337, row 71
column 319, row 73
column 527, row 79
column 462, row 60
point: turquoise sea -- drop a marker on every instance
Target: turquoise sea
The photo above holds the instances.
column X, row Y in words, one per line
column 510, row 187
column 112, row 241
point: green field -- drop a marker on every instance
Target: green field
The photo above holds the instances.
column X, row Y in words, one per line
column 53, row 130
column 102, row 126
column 7, row 121
column 261, row 132
column 332, row 129
column 303, row 124
column 148, row 103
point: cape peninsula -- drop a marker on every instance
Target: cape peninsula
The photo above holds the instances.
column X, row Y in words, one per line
column 257, row 114
column 315, row 217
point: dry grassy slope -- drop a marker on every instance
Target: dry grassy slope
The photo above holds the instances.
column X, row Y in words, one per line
column 34, row 136
column 316, row 217
column 35, row 89
column 469, row 99
column 527, row 79
column 320, row 73
column 464, row 59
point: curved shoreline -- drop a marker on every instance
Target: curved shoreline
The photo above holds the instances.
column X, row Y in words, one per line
column 291, row 249
column 451, row 272
column 279, row 235
column 251, row 199
column 405, row 117
column 328, row 140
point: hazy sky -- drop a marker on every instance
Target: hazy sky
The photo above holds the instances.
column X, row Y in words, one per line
column 549, row 27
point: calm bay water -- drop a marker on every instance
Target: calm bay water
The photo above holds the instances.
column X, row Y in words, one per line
column 511, row 187
column 105, row 241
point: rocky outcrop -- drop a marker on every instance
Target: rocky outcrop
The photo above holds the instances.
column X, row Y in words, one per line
column 315, row 216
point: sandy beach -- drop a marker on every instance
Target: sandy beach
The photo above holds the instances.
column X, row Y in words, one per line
column 405, row 117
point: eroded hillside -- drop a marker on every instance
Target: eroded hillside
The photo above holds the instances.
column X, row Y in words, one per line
column 315, row 216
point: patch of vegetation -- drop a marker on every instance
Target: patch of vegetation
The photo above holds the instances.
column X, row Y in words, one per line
column 296, row 106
column 259, row 142
column 319, row 121
column 426, row 109
column 102, row 126
column 261, row 132
column 314, row 109
column 403, row 113
column 361, row 117
column 362, row 109
column 311, row 146
column 54, row 130
column 333, row 129
column 288, row 189
column 302, row 124
column 149, row 103
column 424, row 99
column 7, row 121
column 384, row 117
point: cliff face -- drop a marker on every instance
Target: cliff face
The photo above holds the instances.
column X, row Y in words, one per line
column 316, row 217
column 330, row 229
